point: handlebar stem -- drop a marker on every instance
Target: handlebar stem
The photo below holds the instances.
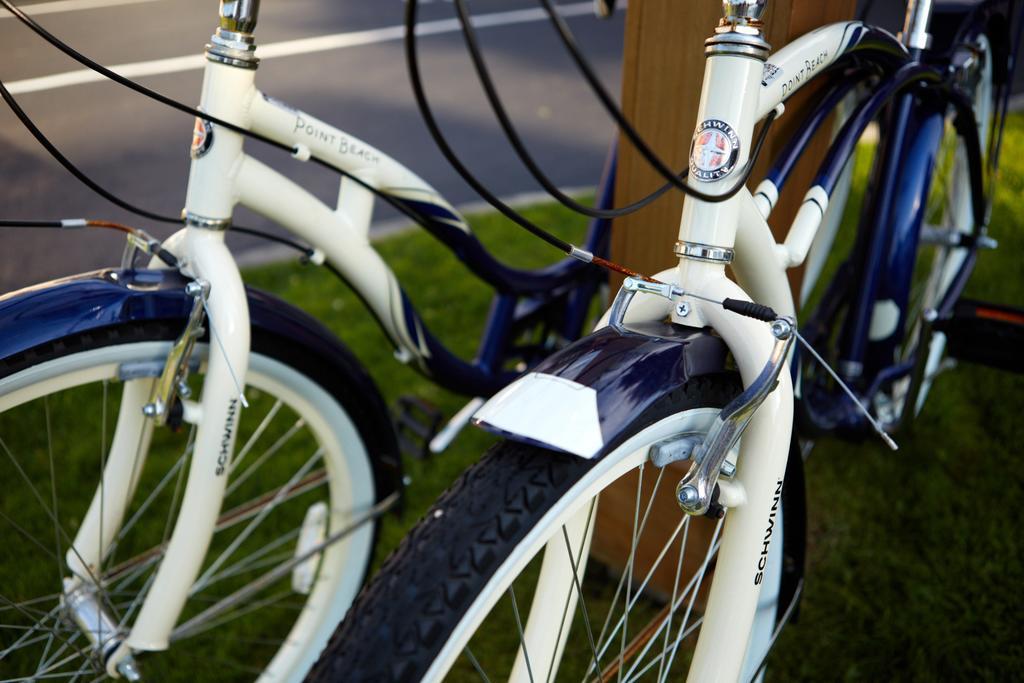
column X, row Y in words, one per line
column 233, row 43
column 239, row 16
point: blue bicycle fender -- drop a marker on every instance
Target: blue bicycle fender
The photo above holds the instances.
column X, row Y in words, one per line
column 95, row 302
column 588, row 397
column 91, row 301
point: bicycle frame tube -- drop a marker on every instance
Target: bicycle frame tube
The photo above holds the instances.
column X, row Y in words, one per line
column 206, row 258
column 222, row 176
column 738, row 90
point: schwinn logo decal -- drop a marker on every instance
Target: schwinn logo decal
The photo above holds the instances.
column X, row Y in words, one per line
column 762, row 561
column 202, row 138
column 225, row 439
column 714, row 150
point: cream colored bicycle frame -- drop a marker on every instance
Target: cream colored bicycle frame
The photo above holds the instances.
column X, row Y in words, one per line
column 225, row 176
column 733, row 93
column 219, row 180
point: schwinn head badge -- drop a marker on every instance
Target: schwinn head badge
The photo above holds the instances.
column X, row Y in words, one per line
column 714, row 150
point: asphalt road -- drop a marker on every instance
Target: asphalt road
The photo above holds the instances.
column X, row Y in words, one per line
column 139, row 149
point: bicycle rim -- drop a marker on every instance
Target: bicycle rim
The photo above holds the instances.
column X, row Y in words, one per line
column 625, row 617
column 299, row 473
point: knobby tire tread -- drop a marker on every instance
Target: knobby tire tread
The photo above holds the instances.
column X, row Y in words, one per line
column 402, row 618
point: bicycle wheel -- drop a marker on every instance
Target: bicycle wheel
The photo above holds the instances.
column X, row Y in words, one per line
column 899, row 334
column 948, row 215
column 302, row 470
column 483, row 588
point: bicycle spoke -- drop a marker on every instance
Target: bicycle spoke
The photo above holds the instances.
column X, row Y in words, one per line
column 46, row 675
column 172, row 512
column 204, row 580
column 569, row 593
column 235, row 516
column 684, row 522
column 23, row 606
column 519, row 628
column 20, row 642
column 136, row 602
column 179, row 464
column 256, row 559
column 713, row 547
column 268, row 579
column 675, row 593
column 81, row 671
column 476, row 664
column 583, row 604
column 53, row 490
column 251, row 607
column 252, row 507
column 46, row 651
column 266, row 455
column 661, row 657
column 33, row 539
column 49, row 513
column 693, row 586
column 244, row 451
column 629, row 565
column 62, row 649
column 638, row 641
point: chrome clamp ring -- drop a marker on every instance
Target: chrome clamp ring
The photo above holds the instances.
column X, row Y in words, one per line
column 704, row 252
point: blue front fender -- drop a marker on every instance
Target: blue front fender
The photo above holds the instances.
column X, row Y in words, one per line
column 92, row 301
column 34, row 318
column 588, row 397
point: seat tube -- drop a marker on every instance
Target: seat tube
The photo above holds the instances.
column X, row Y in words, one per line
column 228, row 89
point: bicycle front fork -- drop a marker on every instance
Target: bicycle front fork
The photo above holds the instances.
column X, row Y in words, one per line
column 216, row 415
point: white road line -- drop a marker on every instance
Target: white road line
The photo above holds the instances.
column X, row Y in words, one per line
column 287, row 48
column 68, row 6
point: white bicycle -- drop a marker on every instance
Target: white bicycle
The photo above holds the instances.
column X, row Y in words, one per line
column 200, row 467
column 624, row 531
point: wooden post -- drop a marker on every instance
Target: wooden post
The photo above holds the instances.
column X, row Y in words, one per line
column 662, row 74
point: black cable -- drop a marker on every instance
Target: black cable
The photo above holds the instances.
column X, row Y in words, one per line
column 174, row 104
column 486, row 82
column 865, row 10
column 572, row 46
column 96, row 187
column 412, row 60
column 439, row 139
column 411, row 57
column 71, row 168
column 128, row 83
column 297, row 246
column 14, row 223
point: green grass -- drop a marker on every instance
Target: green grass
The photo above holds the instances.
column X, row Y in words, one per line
column 915, row 561
column 452, row 303
column 915, row 558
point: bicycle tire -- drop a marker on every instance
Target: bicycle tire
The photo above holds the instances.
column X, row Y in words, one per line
column 316, row 404
column 937, row 259
column 950, row 208
column 454, row 562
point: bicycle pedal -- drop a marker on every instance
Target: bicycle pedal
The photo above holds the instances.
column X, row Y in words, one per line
column 417, row 422
column 989, row 334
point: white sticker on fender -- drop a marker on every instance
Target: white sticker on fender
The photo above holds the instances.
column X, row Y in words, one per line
column 547, row 409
